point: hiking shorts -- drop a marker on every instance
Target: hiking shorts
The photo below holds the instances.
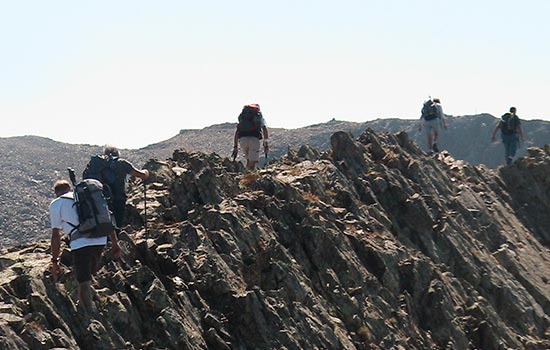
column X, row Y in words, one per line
column 86, row 261
column 431, row 126
column 250, row 147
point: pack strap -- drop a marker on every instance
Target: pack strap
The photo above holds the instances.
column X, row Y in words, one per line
column 73, row 230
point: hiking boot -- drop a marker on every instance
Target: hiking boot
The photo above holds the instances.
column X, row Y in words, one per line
column 435, row 148
column 508, row 160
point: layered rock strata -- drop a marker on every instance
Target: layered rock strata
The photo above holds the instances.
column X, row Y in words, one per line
column 370, row 245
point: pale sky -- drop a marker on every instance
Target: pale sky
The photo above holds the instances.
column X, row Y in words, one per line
column 132, row 73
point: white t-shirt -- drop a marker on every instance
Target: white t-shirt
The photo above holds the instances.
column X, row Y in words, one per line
column 63, row 212
column 262, row 122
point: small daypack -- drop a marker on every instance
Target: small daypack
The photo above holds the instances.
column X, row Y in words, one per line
column 250, row 121
column 508, row 124
column 102, row 168
column 429, row 110
column 92, row 209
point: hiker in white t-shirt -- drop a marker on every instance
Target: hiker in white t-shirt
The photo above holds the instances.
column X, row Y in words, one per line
column 86, row 252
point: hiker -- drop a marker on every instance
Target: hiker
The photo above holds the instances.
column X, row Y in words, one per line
column 250, row 130
column 112, row 171
column 511, row 133
column 86, row 252
column 431, row 118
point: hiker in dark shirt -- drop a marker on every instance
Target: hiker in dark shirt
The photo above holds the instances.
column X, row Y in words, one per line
column 122, row 169
column 511, row 134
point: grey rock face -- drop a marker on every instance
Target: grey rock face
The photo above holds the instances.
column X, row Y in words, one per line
column 370, row 245
column 31, row 164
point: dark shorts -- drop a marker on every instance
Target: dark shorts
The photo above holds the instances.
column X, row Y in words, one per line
column 431, row 126
column 86, row 262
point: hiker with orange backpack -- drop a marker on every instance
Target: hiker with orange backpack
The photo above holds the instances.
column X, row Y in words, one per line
column 250, row 130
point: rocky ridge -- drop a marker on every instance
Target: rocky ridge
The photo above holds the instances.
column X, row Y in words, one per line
column 370, row 245
column 31, row 164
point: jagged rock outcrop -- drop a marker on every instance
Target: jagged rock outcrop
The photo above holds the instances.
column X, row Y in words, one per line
column 31, row 164
column 370, row 245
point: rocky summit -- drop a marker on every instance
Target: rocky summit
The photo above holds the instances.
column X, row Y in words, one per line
column 369, row 245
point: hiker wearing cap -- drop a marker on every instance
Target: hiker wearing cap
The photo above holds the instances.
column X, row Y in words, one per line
column 112, row 170
column 511, row 133
column 430, row 119
column 86, row 252
column 251, row 129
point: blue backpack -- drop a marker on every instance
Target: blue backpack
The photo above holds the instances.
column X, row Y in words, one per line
column 429, row 110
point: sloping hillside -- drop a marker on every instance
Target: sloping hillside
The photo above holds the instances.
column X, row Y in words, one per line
column 370, row 245
column 31, row 164
column 467, row 138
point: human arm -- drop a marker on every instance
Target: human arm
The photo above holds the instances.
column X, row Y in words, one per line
column 443, row 122
column 442, row 116
column 142, row 174
column 494, row 137
column 235, row 144
column 56, row 249
column 520, row 132
column 265, row 134
column 115, row 248
column 421, row 121
column 422, row 114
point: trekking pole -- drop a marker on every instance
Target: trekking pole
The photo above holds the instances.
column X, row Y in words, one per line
column 235, row 153
column 145, row 206
column 266, row 151
column 72, row 176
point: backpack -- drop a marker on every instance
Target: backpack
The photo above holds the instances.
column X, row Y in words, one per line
column 429, row 110
column 93, row 210
column 508, row 124
column 250, row 121
column 102, row 168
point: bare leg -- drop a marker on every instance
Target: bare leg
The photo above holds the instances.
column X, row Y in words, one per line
column 430, row 141
column 436, row 135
